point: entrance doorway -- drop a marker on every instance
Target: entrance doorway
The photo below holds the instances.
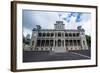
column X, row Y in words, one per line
column 66, row 49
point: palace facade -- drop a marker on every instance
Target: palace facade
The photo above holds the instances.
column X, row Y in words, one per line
column 58, row 39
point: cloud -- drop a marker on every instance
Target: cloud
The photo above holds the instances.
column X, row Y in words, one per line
column 33, row 18
column 69, row 15
column 26, row 31
column 75, row 19
column 47, row 20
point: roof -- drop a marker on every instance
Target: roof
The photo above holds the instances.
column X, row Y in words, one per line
column 58, row 30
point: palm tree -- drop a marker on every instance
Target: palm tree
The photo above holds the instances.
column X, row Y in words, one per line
column 38, row 27
column 27, row 39
column 23, row 39
column 79, row 27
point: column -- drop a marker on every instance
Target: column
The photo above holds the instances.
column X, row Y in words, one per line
column 40, row 42
column 49, row 43
column 55, row 43
column 63, row 43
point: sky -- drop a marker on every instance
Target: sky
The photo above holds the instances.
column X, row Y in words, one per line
column 47, row 19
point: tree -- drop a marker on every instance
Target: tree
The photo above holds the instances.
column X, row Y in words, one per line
column 88, row 39
column 23, row 39
column 79, row 27
column 26, row 40
column 33, row 29
column 28, row 36
column 38, row 27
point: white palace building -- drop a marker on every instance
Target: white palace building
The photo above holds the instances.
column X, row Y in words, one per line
column 58, row 39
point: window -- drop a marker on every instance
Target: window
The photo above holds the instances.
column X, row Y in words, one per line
column 55, row 34
column 59, row 34
column 77, row 34
column 39, row 34
column 59, row 42
column 44, row 34
column 73, row 34
column 70, row 34
column 38, row 43
column 51, row 42
column 48, row 34
column 59, row 27
column 43, row 43
column 66, row 34
column 71, row 43
column 75, row 42
column 66, row 42
column 78, row 41
column 52, row 34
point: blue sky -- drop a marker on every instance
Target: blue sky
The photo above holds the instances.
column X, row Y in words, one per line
column 47, row 20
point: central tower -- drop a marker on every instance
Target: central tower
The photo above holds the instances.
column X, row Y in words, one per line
column 59, row 25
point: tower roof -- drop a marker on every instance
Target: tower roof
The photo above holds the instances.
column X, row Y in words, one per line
column 59, row 25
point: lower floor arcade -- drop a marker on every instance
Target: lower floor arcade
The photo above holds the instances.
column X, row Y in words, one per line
column 57, row 44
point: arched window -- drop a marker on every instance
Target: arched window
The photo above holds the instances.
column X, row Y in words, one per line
column 70, row 42
column 73, row 34
column 43, row 42
column 38, row 42
column 59, row 42
column 75, row 43
column 66, row 42
column 59, row 34
column 66, row 34
column 77, row 34
column 83, row 42
column 47, row 42
column 52, row 34
column 44, row 34
column 70, row 34
column 48, row 34
column 78, row 41
column 51, row 42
